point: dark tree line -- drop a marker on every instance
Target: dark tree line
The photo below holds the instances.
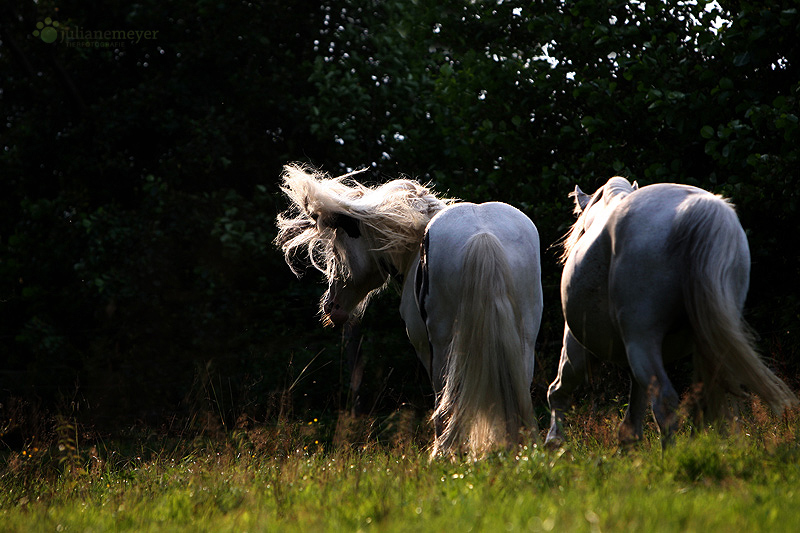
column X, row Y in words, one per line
column 139, row 179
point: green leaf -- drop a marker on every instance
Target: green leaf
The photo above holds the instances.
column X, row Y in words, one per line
column 742, row 59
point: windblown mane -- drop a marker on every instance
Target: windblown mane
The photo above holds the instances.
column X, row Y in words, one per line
column 614, row 187
column 393, row 216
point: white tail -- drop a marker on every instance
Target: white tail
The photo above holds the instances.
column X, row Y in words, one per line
column 486, row 395
column 711, row 240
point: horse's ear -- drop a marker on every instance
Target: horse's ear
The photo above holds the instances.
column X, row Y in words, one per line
column 635, row 186
column 349, row 224
column 581, row 199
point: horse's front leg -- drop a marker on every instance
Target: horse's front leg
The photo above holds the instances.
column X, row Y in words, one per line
column 571, row 373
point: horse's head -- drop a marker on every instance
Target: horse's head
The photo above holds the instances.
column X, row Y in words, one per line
column 355, row 235
column 590, row 207
column 354, row 272
column 587, row 206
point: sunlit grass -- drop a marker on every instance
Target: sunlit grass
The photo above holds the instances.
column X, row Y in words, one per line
column 283, row 478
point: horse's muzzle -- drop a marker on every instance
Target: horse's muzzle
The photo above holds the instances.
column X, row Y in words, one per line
column 334, row 314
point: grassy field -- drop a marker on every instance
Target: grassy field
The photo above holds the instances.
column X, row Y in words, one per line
column 283, row 478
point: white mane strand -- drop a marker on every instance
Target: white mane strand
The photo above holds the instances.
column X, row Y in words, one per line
column 393, row 216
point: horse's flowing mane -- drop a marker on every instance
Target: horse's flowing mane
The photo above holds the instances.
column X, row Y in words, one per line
column 393, row 216
column 614, row 187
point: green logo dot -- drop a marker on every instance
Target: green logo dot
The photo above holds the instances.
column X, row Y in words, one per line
column 46, row 30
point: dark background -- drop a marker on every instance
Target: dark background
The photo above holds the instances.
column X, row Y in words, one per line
column 139, row 182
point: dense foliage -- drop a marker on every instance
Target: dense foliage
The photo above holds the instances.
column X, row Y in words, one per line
column 138, row 278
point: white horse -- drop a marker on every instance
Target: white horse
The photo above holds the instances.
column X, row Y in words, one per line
column 471, row 290
column 651, row 275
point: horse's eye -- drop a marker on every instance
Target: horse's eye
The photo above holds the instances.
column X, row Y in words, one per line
column 349, row 224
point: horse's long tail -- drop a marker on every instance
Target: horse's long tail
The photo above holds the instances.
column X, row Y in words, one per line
column 717, row 259
column 486, row 394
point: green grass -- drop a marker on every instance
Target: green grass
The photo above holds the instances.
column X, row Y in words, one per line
column 283, row 479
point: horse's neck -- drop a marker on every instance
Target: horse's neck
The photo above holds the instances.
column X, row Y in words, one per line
column 402, row 265
column 408, row 285
column 615, row 196
column 388, row 266
column 405, row 256
column 618, row 186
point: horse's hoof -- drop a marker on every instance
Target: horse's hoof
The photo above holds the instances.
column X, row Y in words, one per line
column 553, row 443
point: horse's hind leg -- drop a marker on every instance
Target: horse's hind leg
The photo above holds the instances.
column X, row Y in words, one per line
column 647, row 368
column 630, row 430
column 571, row 373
